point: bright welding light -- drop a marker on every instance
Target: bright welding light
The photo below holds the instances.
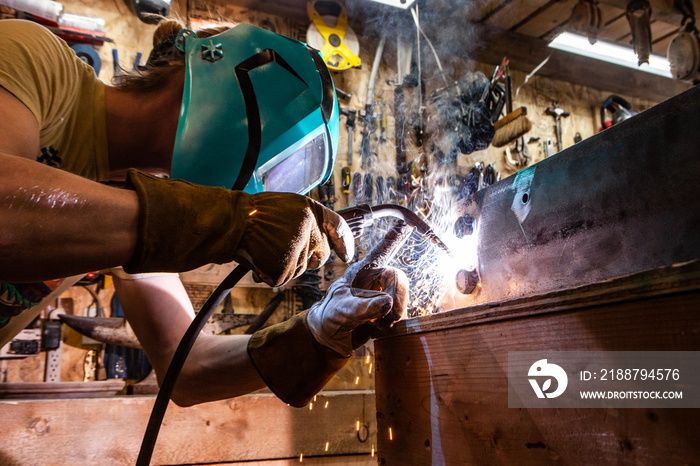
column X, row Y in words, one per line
column 464, row 254
column 461, row 263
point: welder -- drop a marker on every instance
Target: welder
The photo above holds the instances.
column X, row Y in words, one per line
column 216, row 140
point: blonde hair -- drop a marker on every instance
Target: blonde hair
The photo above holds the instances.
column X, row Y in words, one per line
column 164, row 60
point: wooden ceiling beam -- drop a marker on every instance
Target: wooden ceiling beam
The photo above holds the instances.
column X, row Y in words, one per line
column 661, row 10
column 526, row 52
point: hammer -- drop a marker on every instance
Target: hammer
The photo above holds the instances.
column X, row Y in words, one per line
column 557, row 113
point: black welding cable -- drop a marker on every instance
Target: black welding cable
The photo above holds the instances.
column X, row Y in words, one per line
column 188, row 339
column 183, row 349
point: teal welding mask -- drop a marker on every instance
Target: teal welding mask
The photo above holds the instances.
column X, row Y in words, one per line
column 259, row 113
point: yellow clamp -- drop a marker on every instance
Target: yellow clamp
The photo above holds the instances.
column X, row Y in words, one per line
column 335, row 53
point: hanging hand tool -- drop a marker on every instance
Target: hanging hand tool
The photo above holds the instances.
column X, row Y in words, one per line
column 558, row 113
column 343, row 95
column 521, row 150
column 367, row 116
column 326, row 193
column 548, row 148
column 405, row 78
column 618, row 107
column 638, row 15
column 368, row 186
column 515, row 123
column 357, row 188
column 684, row 50
column 350, row 125
column 586, row 18
column 381, row 190
column 338, row 44
column 391, row 190
column 382, row 120
column 400, row 128
column 345, row 183
column 403, row 189
column 369, row 126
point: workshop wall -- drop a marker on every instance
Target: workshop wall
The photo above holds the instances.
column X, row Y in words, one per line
column 131, row 36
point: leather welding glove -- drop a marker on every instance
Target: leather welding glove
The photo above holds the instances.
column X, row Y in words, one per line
column 183, row 226
column 362, row 304
column 299, row 356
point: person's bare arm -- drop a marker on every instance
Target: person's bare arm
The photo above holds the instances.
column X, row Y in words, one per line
column 55, row 224
column 52, row 223
column 159, row 311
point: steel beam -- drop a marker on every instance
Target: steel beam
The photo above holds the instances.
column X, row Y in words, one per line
column 623, row 201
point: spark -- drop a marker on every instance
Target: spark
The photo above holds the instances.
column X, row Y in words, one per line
column 372, row 451
column 370, row 369
column 252, row 212
column 367, row 359
column 430, row 270
column 391, row 434
column 301, row 457
column 311, row 406
column 357, row 426
column 357, row 380
column 327, row 443
column 326, row 405
column 315, row 397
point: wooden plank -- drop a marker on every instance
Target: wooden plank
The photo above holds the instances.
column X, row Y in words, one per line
column 648, row 284
column 253, row 427
column 526, row 53
column 554, row 14
column 444, row 392
column 615, row 23
column 481, row 11
column 514, row 12
column 660, row 45
column 661, row 30
column 661, row 10
column 355, row 460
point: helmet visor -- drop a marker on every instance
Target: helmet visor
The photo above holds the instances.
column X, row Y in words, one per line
column 297, row 170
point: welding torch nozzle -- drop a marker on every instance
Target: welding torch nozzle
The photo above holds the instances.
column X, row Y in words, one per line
column 361, row 216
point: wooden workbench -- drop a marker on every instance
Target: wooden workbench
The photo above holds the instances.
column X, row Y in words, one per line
column 258, row 427
column 442, row 388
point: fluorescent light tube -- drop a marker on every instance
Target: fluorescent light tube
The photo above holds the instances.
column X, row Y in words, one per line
column 403, row 4
column 611, row 53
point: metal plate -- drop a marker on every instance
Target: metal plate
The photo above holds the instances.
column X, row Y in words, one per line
column 623, row 201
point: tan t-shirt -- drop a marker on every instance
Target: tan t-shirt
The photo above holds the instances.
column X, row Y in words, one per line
column 62, row 92
column 68, row 102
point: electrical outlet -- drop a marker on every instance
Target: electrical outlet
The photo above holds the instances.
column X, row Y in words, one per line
column 52, row 370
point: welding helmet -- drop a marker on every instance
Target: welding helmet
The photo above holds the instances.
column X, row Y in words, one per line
column 259, row 113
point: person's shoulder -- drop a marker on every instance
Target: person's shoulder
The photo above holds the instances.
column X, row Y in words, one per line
column 8, row 26
column 20, row 30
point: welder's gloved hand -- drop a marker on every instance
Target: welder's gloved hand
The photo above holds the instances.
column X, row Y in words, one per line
column 299, row 356
column 360, row 305
column 183, row 226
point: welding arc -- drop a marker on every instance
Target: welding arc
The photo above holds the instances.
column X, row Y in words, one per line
column 183, row 349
